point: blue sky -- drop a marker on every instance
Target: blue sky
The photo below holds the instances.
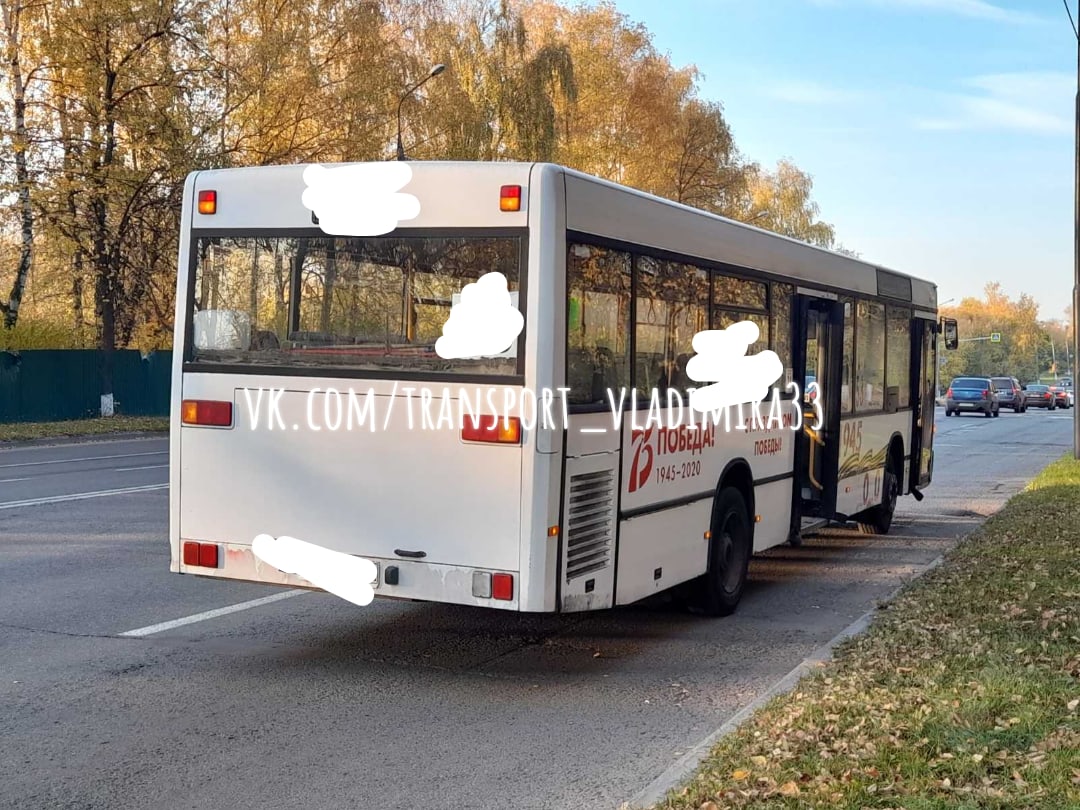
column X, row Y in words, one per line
column 939, row 133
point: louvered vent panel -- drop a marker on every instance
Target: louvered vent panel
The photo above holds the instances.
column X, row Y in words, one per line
column 589, row 523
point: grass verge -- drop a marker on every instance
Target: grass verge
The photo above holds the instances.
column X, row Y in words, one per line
column 19, row 431
column 964, row 693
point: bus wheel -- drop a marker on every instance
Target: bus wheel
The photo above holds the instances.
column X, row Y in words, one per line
column 730, row 546
column 879, row 519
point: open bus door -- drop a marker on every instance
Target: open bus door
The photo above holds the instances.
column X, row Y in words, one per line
column 818, row 358
column 924, row 384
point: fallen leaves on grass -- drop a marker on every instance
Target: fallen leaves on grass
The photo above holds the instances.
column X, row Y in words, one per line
column 963, row 691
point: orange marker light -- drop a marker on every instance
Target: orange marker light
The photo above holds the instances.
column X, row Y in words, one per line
column 498, row 429
column 553, row 531
column 510, row 198
column 206, row 412
column 207, row 202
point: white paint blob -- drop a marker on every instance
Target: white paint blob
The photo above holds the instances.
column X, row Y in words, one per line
column 360, row 199
column 721, row 359
column 341, row 574
column 483, row 322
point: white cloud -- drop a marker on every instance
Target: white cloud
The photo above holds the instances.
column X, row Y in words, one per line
column 361, row 199
column 1025, row 102
column 809, row 92
column 483, row 322
column 341, row 574
column 721, row 359
column 977, row 9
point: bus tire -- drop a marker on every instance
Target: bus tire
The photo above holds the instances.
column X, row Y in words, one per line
column 879, row 519
column 718, row 592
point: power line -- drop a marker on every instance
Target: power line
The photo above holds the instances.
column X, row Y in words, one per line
column 1071, row 22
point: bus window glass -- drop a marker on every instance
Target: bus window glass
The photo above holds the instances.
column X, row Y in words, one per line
column 597, row 323
column 898, row 366
column 672, row 302
column 352, row 303
column 738, row 292
column 780, row 326
column 849, row 358
column 723, row 318
column 870, row 357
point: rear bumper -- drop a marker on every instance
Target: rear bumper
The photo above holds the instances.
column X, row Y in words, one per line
column 968, row 405
column 415, row 580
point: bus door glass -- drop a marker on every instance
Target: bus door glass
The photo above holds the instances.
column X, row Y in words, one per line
column 924, row 387
column 820, row 347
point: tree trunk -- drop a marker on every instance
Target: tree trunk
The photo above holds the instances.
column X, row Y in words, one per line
column 20, row 140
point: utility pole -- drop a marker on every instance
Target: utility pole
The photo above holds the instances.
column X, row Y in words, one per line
column 1076, row 228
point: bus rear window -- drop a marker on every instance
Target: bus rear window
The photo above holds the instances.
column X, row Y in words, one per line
column 372, row 303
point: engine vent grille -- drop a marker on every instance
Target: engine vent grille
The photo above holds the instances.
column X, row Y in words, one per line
column 589, row 517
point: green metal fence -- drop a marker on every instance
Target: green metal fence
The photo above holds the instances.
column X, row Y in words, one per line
column 49, row 385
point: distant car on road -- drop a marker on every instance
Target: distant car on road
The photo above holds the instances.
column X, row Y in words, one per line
column 1040, row 396
column 972, row 394
column 1010, row 393
column 1061, row 395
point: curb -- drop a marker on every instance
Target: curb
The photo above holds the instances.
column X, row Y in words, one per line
column 684, row 767
column 89, row 438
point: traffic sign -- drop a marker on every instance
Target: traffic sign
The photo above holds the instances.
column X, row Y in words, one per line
column 995, row 337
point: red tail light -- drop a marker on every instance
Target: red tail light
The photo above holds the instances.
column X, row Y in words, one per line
column 986, row 392
column 201, row 555
column 206, row 412
column 948, row 393
column 207, row 202
column 510, row 198
column 502, row 586
column 500, row 430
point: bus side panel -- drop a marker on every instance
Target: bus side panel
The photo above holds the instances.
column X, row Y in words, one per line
column 670, row 476
column 661, row 549
column 772, row 502
column 864, row 449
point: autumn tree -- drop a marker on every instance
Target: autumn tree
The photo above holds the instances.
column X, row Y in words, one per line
column 21, row 62
column 781, row 201
column 1024, row 350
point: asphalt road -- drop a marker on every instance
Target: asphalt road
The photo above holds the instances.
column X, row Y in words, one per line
column 310, row 702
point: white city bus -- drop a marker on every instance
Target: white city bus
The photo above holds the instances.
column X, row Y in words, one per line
column 278, row 321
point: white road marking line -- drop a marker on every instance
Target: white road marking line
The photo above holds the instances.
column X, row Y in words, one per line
column 129, row 469
column 76, row 460
column 80, row 496
column 9, row 480
column 211, row 614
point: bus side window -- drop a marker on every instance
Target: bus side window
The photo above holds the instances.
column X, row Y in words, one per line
column 849, row 359
column 597, row 323
column 870, row 357
column 672, row 305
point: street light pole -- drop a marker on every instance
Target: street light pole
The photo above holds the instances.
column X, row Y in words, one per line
column 435, row 71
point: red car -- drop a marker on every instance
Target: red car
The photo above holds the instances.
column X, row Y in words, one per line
column 1061, row 395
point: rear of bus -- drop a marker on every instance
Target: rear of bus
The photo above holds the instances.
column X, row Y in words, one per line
column 302, row 362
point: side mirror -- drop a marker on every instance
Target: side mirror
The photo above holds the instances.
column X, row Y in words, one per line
column 952, row 335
